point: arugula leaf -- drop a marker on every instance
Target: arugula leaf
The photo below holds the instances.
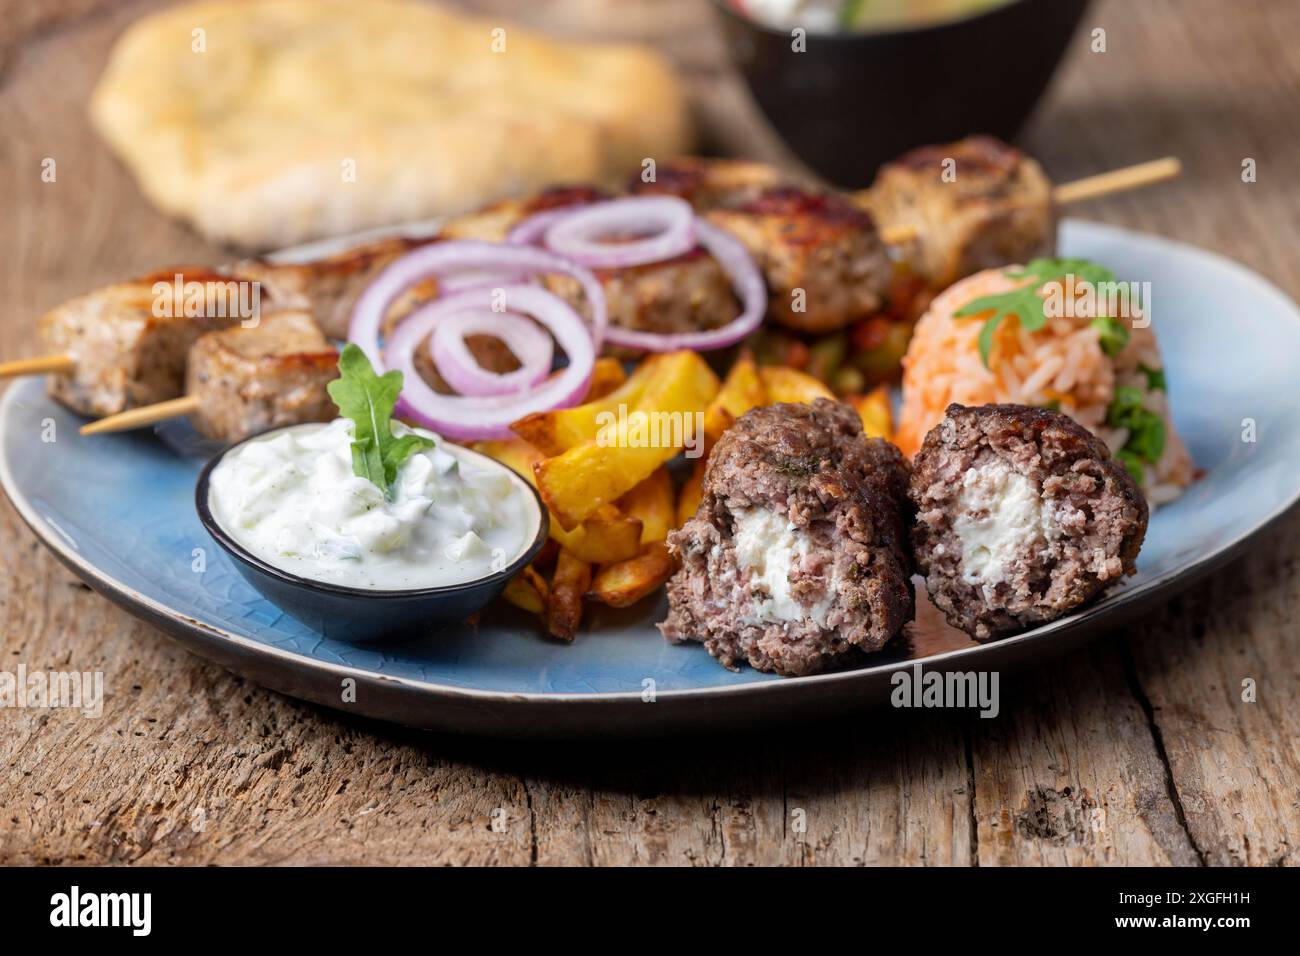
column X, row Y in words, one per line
column 1024, row 303
column 368, row 399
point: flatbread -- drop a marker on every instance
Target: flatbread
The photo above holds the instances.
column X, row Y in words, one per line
column 271, row 123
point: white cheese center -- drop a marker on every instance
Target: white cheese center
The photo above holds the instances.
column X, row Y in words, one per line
column 768, row 546
column 1000, row 511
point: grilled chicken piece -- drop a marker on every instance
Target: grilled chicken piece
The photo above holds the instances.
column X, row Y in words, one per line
column 814, row 243
column 708, row 183
column 128, row 342
column 250, row 379
column 329, row 287
column 492, row 223
column 996, row 210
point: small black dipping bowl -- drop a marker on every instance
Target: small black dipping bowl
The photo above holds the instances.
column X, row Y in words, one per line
column 364, row 615
column 852, row 101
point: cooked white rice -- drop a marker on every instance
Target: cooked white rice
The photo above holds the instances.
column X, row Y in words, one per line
column 1060, row 365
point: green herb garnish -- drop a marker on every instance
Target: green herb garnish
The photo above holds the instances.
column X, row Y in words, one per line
column 1025, row 304
column 1146, row 430
column 1112, row 335
column 1155, row 379
column 368, row 400
column 1132, row 464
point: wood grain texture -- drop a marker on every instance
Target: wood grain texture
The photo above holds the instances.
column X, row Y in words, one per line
column 1139, row 749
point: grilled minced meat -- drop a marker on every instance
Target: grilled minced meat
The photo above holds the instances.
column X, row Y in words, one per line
column 797, row 559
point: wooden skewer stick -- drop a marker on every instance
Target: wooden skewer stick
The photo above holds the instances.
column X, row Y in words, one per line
column 1118, row 180
column 140, row 417
column 1090, row 187
column 36, row 366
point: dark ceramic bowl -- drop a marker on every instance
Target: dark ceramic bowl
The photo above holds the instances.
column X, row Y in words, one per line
column 852, row 101
column 365, row 614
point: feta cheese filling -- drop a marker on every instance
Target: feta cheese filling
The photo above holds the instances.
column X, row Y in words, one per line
column 1000, row 513
column 770, row 547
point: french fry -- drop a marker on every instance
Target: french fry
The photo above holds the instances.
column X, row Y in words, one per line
column 572, row 580
column 577, row 482
column 688, row 499
column 606, row 375
column 873, row 407
column 546, row 558
column 741, row 390
column 790, row 385
column 555, row 432
column 651, row 502
column 625, row 583
column 608, row 535
column 528, row 590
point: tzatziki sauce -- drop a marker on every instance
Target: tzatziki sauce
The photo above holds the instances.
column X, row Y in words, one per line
column 291, row 499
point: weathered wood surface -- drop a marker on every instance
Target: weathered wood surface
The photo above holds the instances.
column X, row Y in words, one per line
column 1138, row 749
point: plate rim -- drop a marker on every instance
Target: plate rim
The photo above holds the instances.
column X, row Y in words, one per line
column 1126, row 600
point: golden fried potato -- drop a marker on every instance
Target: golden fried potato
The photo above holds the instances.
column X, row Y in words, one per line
column 741, row 390
column 626, row 450
column 874, row 409
column 791, row 385
column 625, row 583
column 651, row 502
column 528, row 590
column 607, row 535
column 556, row 431
column 572, row 580
column 688, row 499
column 606, row 375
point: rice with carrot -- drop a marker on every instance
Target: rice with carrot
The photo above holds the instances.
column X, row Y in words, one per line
column 1104, row 373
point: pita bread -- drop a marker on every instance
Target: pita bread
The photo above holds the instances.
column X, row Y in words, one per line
column 271, row 123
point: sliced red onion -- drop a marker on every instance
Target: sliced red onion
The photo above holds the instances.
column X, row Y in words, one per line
column 454, row 257
column 456, row 363
column 750, row 288
column 469, row 417
column 669, row 221
column 529, row 232
column 478, row 279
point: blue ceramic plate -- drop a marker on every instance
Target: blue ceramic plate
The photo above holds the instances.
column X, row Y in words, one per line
column 119, row 511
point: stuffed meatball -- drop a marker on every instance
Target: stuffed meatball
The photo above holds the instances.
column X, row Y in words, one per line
column 1022, row 516
column 797, row 558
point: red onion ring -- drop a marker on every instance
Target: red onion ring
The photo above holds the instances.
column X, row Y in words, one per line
column 750, row 288
column 528, row 232
column 478, row 279
column 576, row 235
column 456, row 257
column 457, row 365
column 469, row 417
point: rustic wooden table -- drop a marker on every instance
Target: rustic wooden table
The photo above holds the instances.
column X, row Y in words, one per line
column 1137, row 750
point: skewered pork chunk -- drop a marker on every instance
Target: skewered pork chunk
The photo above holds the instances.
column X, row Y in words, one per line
column 995, row 209
column 250, row 379
column 129, row 341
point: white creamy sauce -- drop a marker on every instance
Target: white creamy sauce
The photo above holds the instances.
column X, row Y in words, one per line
column 1000, row 510
column 292, row 500
column 768, row 545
